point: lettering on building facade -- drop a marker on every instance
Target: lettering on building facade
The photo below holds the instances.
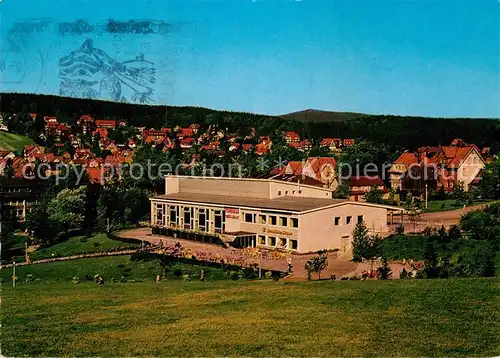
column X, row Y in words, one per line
column 276, row 232
column 232, row 213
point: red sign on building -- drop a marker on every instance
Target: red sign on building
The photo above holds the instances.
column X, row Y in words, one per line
column 232, row 213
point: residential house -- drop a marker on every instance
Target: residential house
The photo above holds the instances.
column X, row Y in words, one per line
column 184, row 133
column 305, row 145
column 103, row 133
column 323, row 169
column 348, row 142
column 332, row 144
column 437, row 168
column 360, row 185
column 262, row 148
column 32, row 152
column 86, row 122
column 234, row 147
column 106, row 123
column 187, row 142
column 195, row 127
column 292, row 137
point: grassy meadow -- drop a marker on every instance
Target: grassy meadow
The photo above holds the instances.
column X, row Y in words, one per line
column 455, row 317
column 111, row 268
column 81, row 245
column 13, row 142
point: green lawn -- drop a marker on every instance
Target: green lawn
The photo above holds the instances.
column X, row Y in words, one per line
column 13, row 142
column 81, row 244
column 111, row 268
column 446, row 205
column 456, row 317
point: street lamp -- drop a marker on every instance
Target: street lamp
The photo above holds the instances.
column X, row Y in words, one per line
column 13, row 274
column 260, row 266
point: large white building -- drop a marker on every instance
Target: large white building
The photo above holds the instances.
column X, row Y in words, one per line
column 261, row 213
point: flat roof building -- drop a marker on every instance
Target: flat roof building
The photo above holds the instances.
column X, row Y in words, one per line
column 263, row 213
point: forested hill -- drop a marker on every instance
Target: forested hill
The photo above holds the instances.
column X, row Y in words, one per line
column 393, row 131
column 316, row 115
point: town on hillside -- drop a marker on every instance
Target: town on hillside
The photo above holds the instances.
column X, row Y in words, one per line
column 99, row 145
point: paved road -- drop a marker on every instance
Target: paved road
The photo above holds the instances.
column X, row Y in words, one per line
column 438, row 219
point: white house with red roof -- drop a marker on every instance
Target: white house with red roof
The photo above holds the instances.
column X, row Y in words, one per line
column 291, row 137
column 437, row 167
column 332, row 144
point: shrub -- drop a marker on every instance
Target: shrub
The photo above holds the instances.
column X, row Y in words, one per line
column 268, row 275
column 420, row 274
column 316, row 264
column 250, row 273
column 84, row 239
column 30, row 278
column 277, row 275
column 384, row 272
column 234, row 275
column 96, row 244
column 177, row 273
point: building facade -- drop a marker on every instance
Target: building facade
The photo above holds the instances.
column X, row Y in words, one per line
column 261, row 213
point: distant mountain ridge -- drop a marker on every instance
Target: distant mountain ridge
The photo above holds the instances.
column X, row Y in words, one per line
column 316, row 115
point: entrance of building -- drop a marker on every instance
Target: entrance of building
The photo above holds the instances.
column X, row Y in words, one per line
column 245, row 241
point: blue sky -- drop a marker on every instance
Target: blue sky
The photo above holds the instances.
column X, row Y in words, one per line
column 410, row 58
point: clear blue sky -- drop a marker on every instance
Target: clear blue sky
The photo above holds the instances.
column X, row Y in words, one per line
column 418, row 58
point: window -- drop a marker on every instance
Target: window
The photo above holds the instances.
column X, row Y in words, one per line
column 348, row 220
column 219, row 218
column 202, row 219
column 293, row 192
column 282, row 242
column 286, row 192
column 294, row 222
column 337, row 221
column 262, row 219
column 262, row 240
column 249, row 218
column 187, row 217
column 283, row 221
column 294, row 244
column 279, row 192
column 272, row 241
column 360, row 219
column 159, row 214
column 272, row 219
column 173, row 214
column 300, row 191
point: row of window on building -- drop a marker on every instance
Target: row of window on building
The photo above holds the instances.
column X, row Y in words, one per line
column 277, row 242
column 202, row 219
column 272, row 220
column 347, row 221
